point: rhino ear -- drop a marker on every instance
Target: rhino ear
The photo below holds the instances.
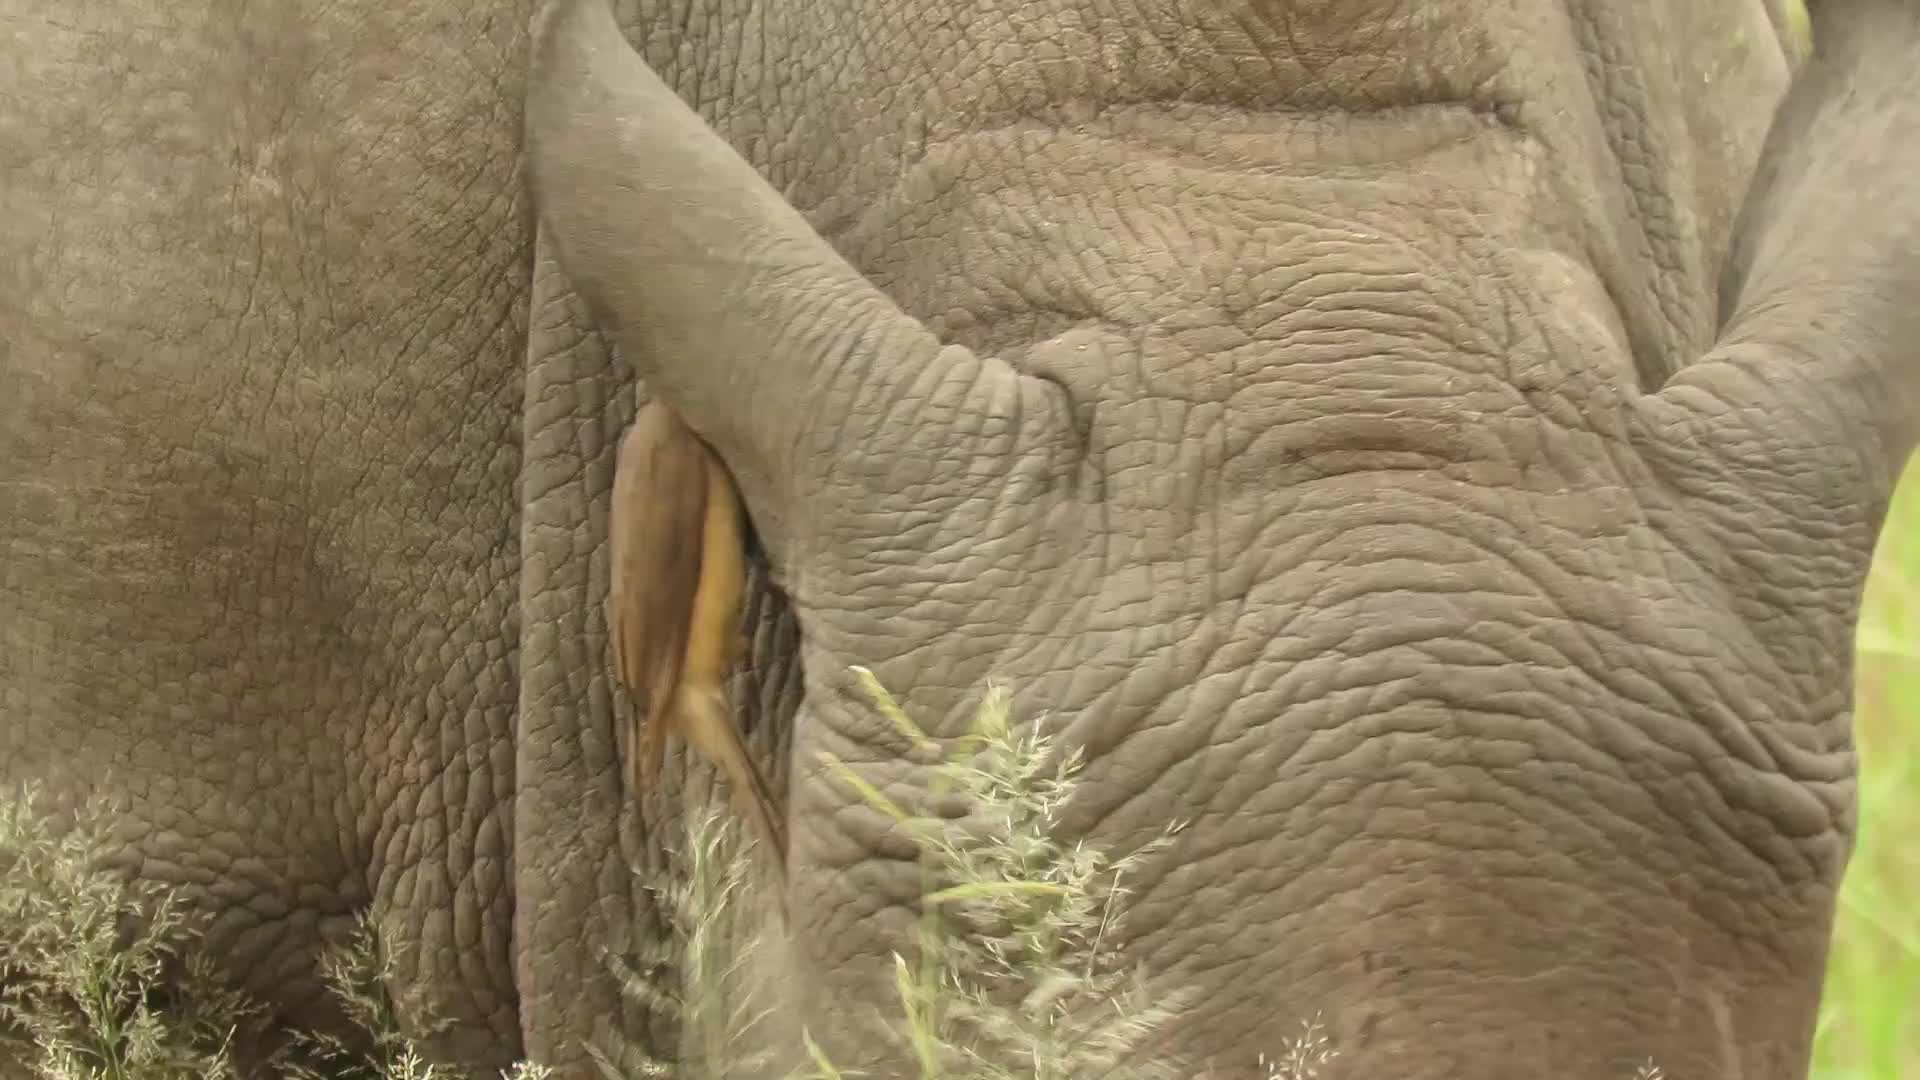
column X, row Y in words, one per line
column 727, row 302
column 1821, row 294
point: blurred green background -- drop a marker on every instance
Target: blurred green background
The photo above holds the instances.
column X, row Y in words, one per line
column 1870, row 1020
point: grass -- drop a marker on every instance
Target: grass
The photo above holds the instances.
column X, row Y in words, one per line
column 84, row 993
column 1870, row 1017
column 102, row 979
column 703, row 975
column 1014, row 972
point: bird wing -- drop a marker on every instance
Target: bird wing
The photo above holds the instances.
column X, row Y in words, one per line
column 655, row 533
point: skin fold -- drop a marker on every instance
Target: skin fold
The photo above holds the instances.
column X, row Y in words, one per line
column 1432, row 449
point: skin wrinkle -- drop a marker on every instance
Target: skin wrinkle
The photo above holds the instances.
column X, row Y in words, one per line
column 1371, row 698
column 1636, row 93
column 1308, row 903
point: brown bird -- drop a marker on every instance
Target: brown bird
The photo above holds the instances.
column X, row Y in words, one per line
column 679, row 573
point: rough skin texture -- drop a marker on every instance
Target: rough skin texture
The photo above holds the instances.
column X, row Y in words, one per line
column 264, row 282
column 1345, row 417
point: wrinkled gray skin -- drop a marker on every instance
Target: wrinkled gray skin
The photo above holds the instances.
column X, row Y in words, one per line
column 1338, row 413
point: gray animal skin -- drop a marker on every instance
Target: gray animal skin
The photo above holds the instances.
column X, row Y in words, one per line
column 1434, row 447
